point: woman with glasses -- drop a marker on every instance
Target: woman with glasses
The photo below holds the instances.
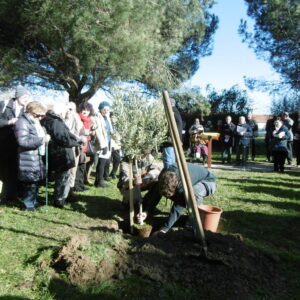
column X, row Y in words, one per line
column 31, row 139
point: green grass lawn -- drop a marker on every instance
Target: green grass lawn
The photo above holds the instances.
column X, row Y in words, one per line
column 264, row 208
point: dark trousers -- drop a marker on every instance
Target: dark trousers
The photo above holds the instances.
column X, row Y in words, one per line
column 279, row 160
column 79, row 180
column 101, row 170
column 253, row 148
column 241, row 150
column 8, row 176
column 29, row 194
column 226, row 151
column 151, row 198
column 297, row 151
column 62, row 186
column 116, row 159
column 290, row 151
column 268, row 151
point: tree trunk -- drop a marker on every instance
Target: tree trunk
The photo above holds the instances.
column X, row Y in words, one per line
column 76, row 95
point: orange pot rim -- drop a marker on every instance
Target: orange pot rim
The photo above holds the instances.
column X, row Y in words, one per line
column 210, row 209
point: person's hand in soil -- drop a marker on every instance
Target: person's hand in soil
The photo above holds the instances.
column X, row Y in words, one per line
column 159, row 232
column 141, row 217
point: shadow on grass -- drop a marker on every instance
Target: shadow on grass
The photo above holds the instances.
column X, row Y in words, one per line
column 24, row 232
column 278, row 231
column 268, row 181
column 39, row 217
column 101, row 207
column 277, row 189
column 61, row 290
column 279, row 205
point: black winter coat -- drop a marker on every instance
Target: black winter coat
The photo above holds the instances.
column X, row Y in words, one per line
column 8, row 143
column 227, row 129
column 61, row 157
column 31, row 167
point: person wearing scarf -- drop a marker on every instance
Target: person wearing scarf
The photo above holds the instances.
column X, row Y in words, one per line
column 85, row 113
column 31, row 139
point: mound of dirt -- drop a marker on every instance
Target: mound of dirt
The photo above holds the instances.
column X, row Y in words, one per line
column 79, row 267
column 231, row 268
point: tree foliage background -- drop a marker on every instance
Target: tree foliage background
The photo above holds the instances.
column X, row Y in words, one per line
column 80, row 46
column 191, row 103
column 276, row 36
column 229, row 101
column 276, row 39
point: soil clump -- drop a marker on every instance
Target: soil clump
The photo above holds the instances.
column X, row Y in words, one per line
column 232, row 268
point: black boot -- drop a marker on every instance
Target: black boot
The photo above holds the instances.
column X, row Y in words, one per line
column 59, row 203
column 102, row 184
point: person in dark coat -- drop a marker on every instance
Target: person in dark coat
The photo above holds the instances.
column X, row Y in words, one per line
column 9, row 114
column 297, row 141
column 254, row 127
column 268, row 137
column 242, row 135
column 288, row 123
column 227, row 139
column 280, row 137
column 31, row 138
column 61, row 156
column 169, row 185
column 168, row 154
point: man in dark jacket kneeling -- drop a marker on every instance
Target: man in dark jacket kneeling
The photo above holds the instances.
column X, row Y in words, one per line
column 170, row 186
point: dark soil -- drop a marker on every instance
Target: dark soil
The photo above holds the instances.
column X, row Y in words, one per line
column 231, row 267
column 232, row 270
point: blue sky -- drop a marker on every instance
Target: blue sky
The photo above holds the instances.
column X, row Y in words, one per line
column 231, row 59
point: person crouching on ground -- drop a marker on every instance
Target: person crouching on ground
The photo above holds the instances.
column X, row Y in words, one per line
column 169, row 185
column 31, row 139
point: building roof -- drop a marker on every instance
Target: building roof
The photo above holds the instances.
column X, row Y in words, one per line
column 261, row 118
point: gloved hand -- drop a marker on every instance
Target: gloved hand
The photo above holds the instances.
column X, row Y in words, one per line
column 141, row 217
column 104, row 150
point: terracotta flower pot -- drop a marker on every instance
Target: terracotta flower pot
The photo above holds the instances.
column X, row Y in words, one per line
column 210, row 217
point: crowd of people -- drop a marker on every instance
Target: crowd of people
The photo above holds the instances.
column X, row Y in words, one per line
column 67, row 139
column 282, row 140
column 66, row 142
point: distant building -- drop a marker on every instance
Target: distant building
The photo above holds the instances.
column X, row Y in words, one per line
column 261, row 123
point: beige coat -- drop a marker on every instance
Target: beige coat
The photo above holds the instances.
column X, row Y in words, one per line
column 100, row 131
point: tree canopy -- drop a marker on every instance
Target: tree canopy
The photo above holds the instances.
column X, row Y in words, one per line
column 291, row 105
column 81, row 46
column 191, row 102
column 276, row 36
column 231, row 101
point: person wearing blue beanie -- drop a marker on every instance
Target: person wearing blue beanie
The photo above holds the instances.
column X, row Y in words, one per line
column 103, row 104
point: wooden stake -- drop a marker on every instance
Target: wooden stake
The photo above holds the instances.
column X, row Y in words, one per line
column 131, row 201
column 185, row 176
